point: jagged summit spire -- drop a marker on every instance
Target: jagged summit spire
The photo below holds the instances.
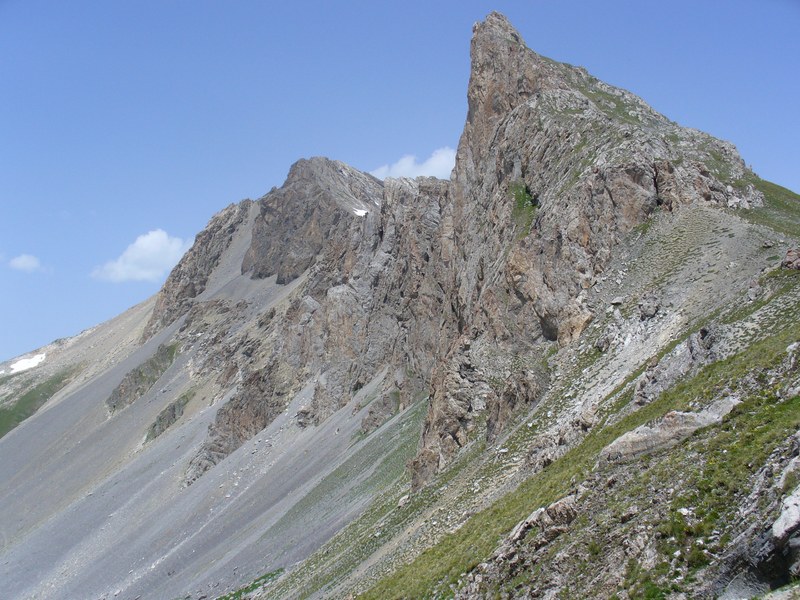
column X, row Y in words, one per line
column 497, row 24
column 503, row 74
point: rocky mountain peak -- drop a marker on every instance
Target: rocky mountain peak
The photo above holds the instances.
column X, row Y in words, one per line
column 559, row 167
column 317, row 201
column 348, row 188
column 500, row 77
column 589, row 288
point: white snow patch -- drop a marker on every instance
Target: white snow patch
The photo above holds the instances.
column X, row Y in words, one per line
column 23, row 364
column 360, row 212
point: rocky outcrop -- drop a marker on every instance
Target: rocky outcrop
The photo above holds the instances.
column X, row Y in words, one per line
column 298, row 219
column 792, row 259
column 684, row 360
column 764, row 555
column 550, row 520
column 263, row 397
column 542, row 527
column 167, row 417
column 675, row 427
column 649, row 306
column 788, row 522
column 139, row 380
column 189, row 277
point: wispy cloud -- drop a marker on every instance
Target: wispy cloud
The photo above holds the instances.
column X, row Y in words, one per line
column 438, row 165
column 149, row 258
column 25, row 262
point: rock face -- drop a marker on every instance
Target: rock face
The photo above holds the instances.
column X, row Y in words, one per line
column 680, row 363
column 188, row 279
column 792, row 259
column 167, row 417
column 137, row 381
column 675, row 427
column 369, row 305
column 523, row 328
column 315, row 205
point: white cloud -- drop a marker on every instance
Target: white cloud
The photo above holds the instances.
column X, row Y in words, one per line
column 149, row 258
column 25, row 262
column 438, row 165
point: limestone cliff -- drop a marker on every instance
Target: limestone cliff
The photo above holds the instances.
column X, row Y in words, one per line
column 570, row 370
column 552, row 169
column 456, row 289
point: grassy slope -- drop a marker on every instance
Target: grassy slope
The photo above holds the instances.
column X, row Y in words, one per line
column 711, row 473
column 433, row 572
column 781, row 210
column 32, row 400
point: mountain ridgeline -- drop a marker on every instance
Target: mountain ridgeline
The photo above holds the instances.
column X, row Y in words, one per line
column 570, row 370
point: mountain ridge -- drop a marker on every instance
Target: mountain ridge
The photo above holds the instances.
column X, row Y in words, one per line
column 401, row 363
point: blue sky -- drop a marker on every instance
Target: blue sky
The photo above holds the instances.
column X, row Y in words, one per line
column 126, row 125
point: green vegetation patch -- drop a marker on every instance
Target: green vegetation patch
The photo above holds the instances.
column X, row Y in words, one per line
column 781, row 210
column 252, row 587
column 32, row 400
column 524, row 209
column 614, row 106
column 139, row 380
column 717, row 464
column 433, row 572
column 735, row 451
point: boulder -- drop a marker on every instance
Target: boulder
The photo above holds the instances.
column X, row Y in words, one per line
column 792, row 259
column 649, row 306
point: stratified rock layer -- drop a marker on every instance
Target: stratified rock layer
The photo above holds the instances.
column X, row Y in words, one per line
column 457, row 289
column 188, row 279
column 531, row 322
column 553, row 168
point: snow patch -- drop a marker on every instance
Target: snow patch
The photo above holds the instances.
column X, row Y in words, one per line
column 360, row 212
column 23, row 364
